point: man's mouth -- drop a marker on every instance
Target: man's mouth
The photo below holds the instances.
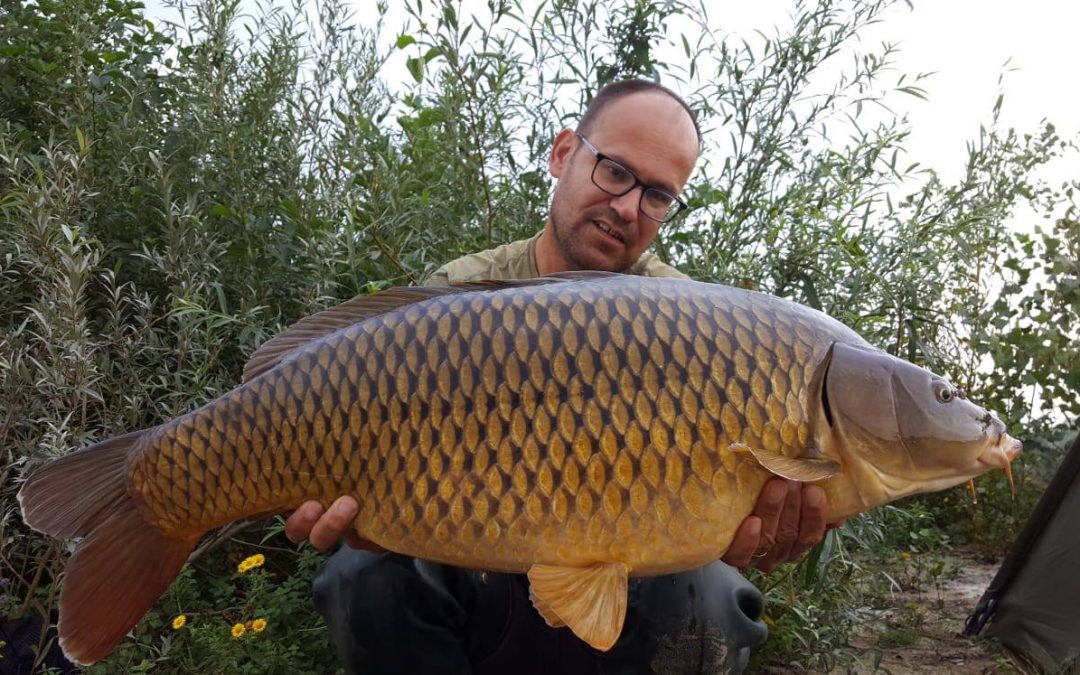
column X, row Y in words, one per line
column 609, row 231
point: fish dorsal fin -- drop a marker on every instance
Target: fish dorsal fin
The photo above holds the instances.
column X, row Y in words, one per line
column 581, row 275
column 590, row 601
column 328, row 321
column 805, row 469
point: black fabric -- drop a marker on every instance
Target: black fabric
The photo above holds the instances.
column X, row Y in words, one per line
column 20, row 639
column 1033, row 604
column 393, row 614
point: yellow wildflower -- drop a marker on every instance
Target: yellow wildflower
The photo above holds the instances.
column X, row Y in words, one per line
column 179, row 621
column 905, row 555
column 251, row 562
column 258, row 625
column 238, row 630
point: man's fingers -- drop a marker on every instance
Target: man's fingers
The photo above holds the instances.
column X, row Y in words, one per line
column 298, row 525
column 787, row 531
column 769, row 507
column 755, row 537
column 740, row 553
column 324, row 528
column 812, row 525
column 332, row 526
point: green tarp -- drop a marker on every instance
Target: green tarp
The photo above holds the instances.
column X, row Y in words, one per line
column 1033, row 604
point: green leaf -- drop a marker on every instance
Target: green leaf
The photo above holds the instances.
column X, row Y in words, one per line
column 917, row 92
column 810, row 575
column 221, row 211
column 404, row 41
column 416, row 68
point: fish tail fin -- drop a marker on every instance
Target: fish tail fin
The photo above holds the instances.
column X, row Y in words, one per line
column 123, row 563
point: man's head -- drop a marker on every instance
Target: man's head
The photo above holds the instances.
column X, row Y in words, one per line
column 646, row 129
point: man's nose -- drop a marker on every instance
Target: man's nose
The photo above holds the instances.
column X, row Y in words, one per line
column 627, row 205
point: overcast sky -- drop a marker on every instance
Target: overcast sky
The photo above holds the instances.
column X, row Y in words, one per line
column 965, row 42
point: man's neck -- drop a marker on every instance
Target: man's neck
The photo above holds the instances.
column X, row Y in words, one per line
column 548, row 257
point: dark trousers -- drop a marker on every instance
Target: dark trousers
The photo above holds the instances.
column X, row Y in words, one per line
column 393, row 614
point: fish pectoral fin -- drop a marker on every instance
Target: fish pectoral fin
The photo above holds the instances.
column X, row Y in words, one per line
column 803, row 469
column 590, row 601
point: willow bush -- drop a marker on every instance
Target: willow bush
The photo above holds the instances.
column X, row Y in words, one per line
column 172, row 195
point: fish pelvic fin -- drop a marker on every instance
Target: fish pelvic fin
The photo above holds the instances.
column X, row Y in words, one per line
column 123, row 563
column 803, row 469
column 590, row 601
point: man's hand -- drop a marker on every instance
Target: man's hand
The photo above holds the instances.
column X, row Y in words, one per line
column 324, row 528
column 788, row 520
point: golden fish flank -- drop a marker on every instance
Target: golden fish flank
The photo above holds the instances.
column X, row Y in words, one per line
column 579, row 430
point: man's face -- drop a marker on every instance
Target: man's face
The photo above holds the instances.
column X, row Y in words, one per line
column 648, row 133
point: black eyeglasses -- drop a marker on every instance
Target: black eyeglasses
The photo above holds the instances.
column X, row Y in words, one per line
column 617, row 180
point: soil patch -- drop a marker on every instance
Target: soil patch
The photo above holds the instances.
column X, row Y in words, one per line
column 920, row 629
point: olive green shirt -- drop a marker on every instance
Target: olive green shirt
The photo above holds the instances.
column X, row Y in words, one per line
column 517, row 260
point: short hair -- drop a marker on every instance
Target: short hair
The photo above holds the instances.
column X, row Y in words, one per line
column 612, row 92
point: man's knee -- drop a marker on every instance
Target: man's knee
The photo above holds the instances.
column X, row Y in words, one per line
column 385, row 612
column 709, row 616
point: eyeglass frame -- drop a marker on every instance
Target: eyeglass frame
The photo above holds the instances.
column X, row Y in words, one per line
column 600, row 157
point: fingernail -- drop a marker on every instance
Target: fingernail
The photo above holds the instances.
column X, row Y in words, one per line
column 814, row 497
column 342, row 507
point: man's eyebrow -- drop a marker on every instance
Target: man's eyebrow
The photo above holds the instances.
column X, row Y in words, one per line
column 659, row 186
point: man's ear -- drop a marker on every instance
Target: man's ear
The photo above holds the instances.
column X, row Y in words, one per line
column 561, row 150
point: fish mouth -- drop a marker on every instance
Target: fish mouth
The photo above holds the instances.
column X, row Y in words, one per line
column 1001, row 456
column 1002, row 453
column 610, row 231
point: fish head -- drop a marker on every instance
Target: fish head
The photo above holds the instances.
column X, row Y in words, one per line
column 906, row 430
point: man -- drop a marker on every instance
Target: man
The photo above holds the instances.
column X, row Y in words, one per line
column 618, row 179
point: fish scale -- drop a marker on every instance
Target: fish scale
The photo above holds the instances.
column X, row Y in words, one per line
column 581, row 430
column 509, row 440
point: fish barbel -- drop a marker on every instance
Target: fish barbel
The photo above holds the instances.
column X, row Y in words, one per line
column 579, row 428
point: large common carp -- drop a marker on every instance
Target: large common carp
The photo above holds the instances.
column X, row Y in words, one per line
column 581, row 429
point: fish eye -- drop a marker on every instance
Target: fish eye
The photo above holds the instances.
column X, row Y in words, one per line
column 944, row 393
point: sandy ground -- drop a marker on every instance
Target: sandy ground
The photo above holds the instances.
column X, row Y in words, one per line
column 920, row 632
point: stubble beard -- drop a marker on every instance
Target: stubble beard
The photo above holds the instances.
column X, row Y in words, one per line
column 573, row 249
